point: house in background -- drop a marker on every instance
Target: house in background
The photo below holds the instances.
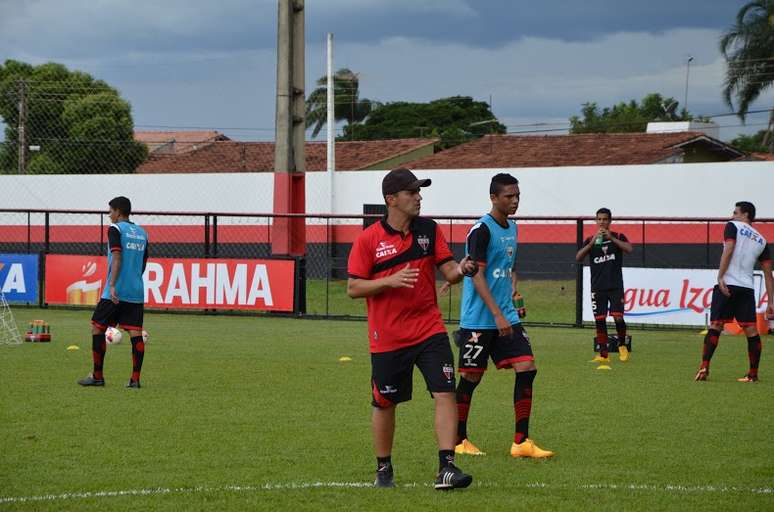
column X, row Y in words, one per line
column 507, row 151
column 762, row 156
column 233, row 156
column 175, row 143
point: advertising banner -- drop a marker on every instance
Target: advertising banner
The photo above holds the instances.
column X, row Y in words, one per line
column 668, row 296
column 19, row 277
column 266, row 285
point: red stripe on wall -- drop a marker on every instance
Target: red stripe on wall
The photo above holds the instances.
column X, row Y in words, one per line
column 532, row 232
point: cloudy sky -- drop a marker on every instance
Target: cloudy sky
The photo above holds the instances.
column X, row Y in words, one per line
column 194, row 64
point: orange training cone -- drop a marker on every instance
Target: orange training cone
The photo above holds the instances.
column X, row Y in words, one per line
column 732, row 328
column 762, row 323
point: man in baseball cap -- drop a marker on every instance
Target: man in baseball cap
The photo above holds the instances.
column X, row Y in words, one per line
column 392, row 265
column 402, row 179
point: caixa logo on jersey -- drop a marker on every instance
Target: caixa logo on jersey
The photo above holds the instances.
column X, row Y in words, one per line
column 603, row 259
column 752, row 235
column 502, row 273
column 385, row 249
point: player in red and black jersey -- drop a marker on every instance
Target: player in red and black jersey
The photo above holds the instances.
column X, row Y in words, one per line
column 392, row 265
column 606, row 249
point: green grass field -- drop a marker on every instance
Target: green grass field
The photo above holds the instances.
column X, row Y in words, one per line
column 548, row 301
column 242, row 413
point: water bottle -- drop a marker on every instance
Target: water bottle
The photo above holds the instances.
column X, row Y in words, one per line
column 519, row 303
column 599, row 240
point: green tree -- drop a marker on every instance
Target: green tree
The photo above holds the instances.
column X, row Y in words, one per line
column 78, row 124
column 751, row 143
column 628, row 117
column 748, row 48
column 347, row 104
column 452, row 120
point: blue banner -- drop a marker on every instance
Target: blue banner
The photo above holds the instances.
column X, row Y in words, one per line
column 19, row 277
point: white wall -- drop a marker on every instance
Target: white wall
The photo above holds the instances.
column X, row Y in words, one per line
column 237, row 192
column 685, row 190
column 688, row 190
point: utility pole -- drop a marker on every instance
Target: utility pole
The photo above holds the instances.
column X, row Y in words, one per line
column 22, row 127
column 331, row 139
column 687, row 74
column 288, row 235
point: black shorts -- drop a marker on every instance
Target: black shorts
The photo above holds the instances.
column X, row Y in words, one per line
column 477, row 346
column 601, row 298
column 126, row 314
column 740, row 306
column 392, row 373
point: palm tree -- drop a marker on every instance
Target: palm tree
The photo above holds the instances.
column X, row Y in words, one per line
column 748, row 47
column 347, row 103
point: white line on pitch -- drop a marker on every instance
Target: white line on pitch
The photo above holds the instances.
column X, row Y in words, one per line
column 157, row 491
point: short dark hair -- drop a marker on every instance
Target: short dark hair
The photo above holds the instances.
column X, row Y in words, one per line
column 122, row 204
column 500, row 181
column 607, row 211
column 748, row 208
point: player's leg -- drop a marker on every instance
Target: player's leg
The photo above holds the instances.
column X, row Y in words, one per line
column 745, row 316
column 391, row 381
column 473, row 355
column 103, row 316
column 383, row 427
column 515, row 352
column 130, row 317
column 720, row 313
column 599, row 301
column 617, row 312
column 436, row 362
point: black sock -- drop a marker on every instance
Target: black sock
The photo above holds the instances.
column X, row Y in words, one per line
column 445, row 457
column 602, row 338
column 464, row 396
column 138, row 353
column 98, row 348
column 620, row 329
column 383, row 463
column 522, row 404
column 710, row 344
column 754, row 354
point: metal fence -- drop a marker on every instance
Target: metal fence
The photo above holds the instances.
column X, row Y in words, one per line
column 548, row 275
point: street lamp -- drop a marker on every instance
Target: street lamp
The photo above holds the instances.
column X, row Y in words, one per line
column 687, row 74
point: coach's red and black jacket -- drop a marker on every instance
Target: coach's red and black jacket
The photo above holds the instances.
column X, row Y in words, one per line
column 401, row 317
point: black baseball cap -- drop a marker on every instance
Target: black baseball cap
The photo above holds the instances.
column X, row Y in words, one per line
column 402, row 179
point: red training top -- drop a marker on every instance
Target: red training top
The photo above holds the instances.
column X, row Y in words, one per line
column 401, row 317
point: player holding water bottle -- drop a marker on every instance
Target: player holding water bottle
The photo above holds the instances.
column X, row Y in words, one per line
column 490, row 324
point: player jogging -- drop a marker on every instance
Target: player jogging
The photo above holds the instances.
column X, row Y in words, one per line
column 123, row 298
column 392, row 264
column 606, row 261
column 733, row 296
column 489, row 323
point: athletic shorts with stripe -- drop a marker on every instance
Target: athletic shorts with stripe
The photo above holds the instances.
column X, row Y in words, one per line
column 392, row 373
column 600, row 300
column 128, row 315
column 740, row 306
column 478, row 345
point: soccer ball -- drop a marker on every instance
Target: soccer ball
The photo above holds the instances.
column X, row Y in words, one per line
column 113, row 336
column 144, row 336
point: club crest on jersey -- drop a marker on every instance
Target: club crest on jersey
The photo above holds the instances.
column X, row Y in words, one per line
column 385, row 249
column 448, row 371
column 424, row 242
column 604, row 249
column 509, row 251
